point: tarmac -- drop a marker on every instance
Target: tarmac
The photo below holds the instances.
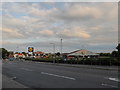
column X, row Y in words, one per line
column 112, row 68
column 10, row 83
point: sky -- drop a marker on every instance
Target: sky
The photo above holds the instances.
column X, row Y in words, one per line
column 81, row 25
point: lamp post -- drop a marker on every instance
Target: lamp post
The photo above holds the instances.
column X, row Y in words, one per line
column 17, row 49
column 61, row 46
column 53, row 51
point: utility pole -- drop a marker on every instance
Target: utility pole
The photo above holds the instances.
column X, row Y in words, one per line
column 17, row 49
column 53, row 51
column 61, row 46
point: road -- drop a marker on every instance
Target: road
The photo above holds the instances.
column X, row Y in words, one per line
column 43, row 75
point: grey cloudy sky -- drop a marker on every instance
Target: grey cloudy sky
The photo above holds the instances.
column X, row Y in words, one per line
column 81, row 25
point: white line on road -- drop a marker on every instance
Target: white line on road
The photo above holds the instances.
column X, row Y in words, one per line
column 26, row 69
column 37, row 62
column 58, row 75
column 109, row 85
column 114, row 79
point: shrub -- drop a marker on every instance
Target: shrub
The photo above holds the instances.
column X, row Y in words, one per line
column 86, row 61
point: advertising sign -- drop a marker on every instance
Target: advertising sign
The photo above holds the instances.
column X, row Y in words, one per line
column 30, row 49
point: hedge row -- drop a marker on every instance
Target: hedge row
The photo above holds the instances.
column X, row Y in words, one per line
column 85, row 61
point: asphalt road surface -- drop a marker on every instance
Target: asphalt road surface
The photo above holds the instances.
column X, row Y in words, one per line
column 42, row 75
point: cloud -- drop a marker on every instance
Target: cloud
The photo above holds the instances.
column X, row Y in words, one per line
column 96, row 28
column 75, row 32
column 41, row 12
column 46, row 32
column 10, row 33
column 84, row 11
column 78, row 12
column 80, row 22
column 13, row 22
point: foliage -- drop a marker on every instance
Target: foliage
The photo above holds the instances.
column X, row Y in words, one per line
column 105, row 54
column 118, row 47
column 115, row 53
column 3, row 53
column 24, row 53
column 86, row 61
column 58, row 54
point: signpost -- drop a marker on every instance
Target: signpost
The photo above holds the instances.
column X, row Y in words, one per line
column 30, row 51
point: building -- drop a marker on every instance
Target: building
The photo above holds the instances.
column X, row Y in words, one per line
column 19, row 55
column 38, row 54
column 82, row 53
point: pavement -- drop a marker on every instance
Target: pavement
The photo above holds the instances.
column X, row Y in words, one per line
column 48, row 75
column 11, row 83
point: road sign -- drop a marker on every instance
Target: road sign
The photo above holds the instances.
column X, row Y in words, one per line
column 30, row 49
column 30, row 53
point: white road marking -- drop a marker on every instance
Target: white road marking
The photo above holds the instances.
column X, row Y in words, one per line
column 37, row 62
column 26, row 69
column 114, row 79
column 109, row 85
column 58, row 75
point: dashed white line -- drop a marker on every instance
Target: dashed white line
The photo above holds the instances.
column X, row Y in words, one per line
column 109, row 85
column 37, row 62
column 114, row 79
column 26, row 69
column 58, row 75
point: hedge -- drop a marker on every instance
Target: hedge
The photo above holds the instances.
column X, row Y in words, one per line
column 85, row 61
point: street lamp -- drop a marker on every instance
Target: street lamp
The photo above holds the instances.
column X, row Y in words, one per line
column 53, row 51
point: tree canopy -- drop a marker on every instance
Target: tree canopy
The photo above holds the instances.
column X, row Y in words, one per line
column 3, row 53
column 118, row 47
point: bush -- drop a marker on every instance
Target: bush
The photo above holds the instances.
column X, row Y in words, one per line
column 87, row 61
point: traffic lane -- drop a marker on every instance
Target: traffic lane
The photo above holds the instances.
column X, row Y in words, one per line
column 38, row 80
column 38, row 70
column 94, row 80
column 36, row 73
column 81, row 75
column 35, row 81
column 91, row 72
column 96, row 72
column 84, row 70
column 76, row 69
column 104, row 73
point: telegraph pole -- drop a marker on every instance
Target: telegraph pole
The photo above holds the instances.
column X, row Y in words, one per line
column 53, row 51
column 61, row 46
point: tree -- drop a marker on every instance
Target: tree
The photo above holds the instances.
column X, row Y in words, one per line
column 101, row 54
column 58, row 53
column 24, row 53
column 3, row 53
column 118, row 48
column 114, row 53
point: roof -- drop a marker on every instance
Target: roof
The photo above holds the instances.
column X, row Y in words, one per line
column 82, row 52
column 38, row 52
column 20, row 54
